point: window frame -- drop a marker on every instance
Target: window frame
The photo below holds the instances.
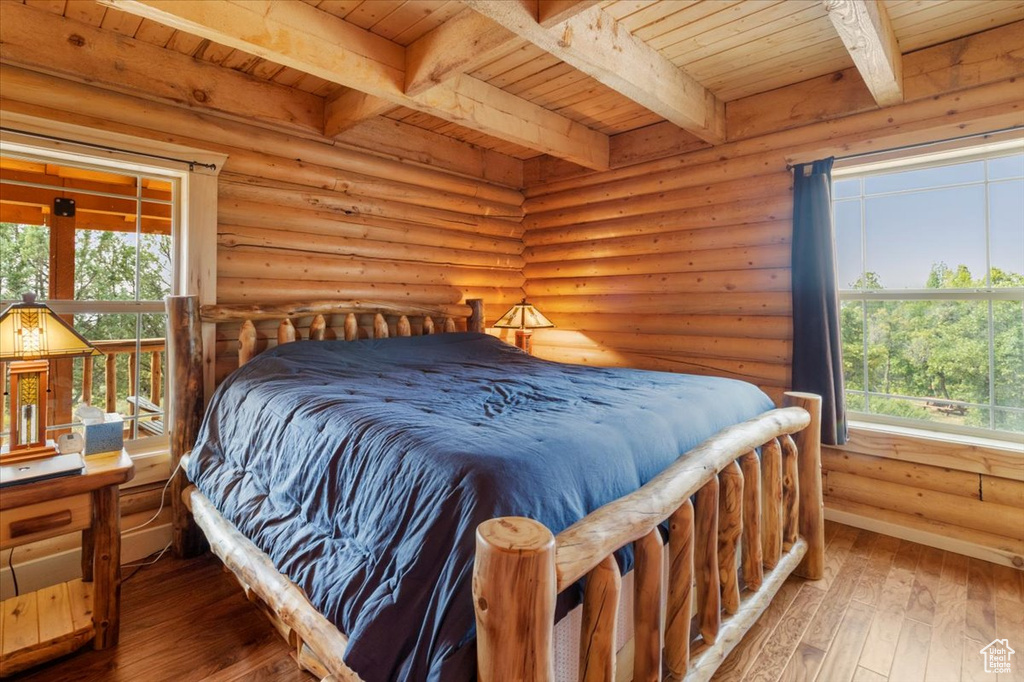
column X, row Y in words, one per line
column 900, row 162
column 194, row 222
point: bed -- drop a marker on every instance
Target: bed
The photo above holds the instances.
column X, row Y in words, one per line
column 426, row 507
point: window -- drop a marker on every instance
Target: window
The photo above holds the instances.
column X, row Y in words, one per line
column 107, row 268
column 930, row 256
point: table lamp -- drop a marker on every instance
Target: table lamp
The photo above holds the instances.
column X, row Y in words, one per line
column 524, row 318
column 31, row 335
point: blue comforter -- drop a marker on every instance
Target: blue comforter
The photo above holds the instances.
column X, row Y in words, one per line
column 363, row 468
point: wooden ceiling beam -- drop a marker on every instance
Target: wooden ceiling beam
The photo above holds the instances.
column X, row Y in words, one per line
column 865, row 29
column 553, row 12
column 349, row 108
column 595, row 44
column 302, row 37
column 42, row 41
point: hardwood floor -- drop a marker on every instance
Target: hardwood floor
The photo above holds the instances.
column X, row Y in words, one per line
column 886, row 610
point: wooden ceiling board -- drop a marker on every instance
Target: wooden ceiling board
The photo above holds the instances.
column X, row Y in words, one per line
column 654, row 13
column 215, row 53
column 339, row 8
column 54, row 6
column 665, row 32
column 265, row 70
column 525, row 60
column 154, row 33
column 621, row 9
column 429, row 22
column 372, row 11
column 185, row 43
column 241, row 61
column 762, row 33
column 120, row 22
column 708, row 27
column 785, row 71
column 405, row 16
column 929, row 26
column 86, row 11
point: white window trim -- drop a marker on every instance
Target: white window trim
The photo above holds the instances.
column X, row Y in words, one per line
column 952, row 153
column 195, row 237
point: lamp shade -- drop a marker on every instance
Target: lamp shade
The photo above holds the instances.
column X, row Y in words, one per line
column 32, row 331
column 523, row 316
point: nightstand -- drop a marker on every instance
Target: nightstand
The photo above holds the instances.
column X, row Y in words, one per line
column 57, row 620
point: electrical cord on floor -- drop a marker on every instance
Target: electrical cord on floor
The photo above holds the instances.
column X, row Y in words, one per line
column 139, row 566
column 14, row 576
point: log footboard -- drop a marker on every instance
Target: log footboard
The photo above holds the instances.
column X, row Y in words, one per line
column 753, row 520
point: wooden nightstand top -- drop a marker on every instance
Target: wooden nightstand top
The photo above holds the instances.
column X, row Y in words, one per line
column 101, row 470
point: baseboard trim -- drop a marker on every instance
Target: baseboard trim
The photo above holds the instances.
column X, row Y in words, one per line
column 920, row 536
column 62, row 566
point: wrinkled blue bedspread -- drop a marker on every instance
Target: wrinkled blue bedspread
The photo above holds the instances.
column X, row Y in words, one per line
column 363, row 468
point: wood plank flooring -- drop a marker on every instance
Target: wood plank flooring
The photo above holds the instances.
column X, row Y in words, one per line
column 887, row 609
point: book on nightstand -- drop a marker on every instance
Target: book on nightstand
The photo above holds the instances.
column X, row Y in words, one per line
column 41, row 469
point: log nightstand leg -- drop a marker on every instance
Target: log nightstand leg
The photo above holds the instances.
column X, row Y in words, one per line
column 87, row 555
column 106, row 519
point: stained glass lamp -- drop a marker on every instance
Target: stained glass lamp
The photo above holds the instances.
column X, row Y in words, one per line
column 524, row 318
column 31, row 335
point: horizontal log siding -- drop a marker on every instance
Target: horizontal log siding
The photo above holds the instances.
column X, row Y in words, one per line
column 683, row 263
column 304, row 218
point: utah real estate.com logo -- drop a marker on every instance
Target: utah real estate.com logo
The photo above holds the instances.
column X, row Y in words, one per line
column 997, row 656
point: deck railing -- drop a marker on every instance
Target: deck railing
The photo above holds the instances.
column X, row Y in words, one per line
column 147, row 408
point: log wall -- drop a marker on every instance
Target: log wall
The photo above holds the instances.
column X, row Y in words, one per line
column 302, row 217
column 683, row 263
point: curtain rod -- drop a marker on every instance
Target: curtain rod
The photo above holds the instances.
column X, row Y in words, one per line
column 191, row 164
column 919, row 145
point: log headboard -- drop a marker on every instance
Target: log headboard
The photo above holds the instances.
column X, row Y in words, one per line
column 191, row 369
column 381, row 320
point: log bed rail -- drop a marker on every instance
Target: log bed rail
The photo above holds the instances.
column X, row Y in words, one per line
column 739, row 523
column 748, row 515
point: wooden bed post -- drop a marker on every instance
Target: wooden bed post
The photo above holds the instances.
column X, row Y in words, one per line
column 185, row 410
column 475, row 323
column 514, row 589
column 812, row 518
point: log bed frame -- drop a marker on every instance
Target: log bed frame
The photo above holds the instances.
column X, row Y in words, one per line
column 753, row 520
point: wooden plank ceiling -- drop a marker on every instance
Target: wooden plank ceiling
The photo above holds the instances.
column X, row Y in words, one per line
column 527, row 77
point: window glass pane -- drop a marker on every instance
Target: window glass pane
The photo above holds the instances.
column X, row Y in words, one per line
column 1006, row 167
column 848, row 243
column 1006, row 232
column 936, row 351
column 154, row 266
column 851, row 322
column 855, row 401
column 25, row 259
column 846, row 188
column 105, row 265
column 925, row 177
column 1008, row 346
column 909, row 237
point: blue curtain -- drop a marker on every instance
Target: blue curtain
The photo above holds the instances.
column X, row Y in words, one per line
column 817, row 359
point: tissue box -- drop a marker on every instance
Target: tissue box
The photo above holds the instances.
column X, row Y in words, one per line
column 106, row 436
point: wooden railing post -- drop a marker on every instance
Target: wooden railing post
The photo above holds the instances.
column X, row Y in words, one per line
column 185, row 409
column 812, row 516
column 514, row 589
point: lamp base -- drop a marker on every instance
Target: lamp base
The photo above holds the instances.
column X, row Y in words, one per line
column 524, row 340
column 27, row 453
